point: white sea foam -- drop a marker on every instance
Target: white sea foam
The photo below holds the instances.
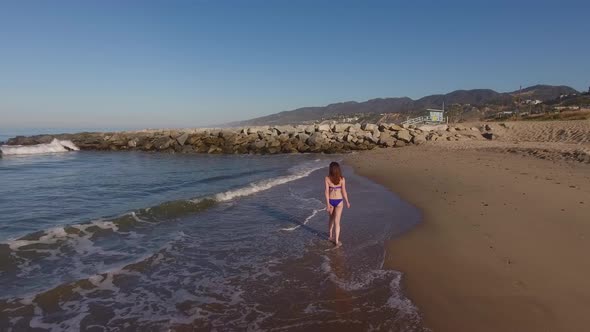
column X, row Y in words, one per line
column 51, row 236
column 56, row 234
column 55, row 146
column 313, row 214
column 365, row 281
column 264, row 184
column 98, row 223
column 103, row 282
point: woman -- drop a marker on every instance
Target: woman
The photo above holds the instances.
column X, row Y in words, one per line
column 335, row 194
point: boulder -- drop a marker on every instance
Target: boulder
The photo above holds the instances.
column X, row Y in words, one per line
column 182, row 139
column 162, row 143
column 340, row 127
column 316, row 139
column 373, row 139
column 354, row 128
column 404, row 136
column 387, row 132
column 259, row 144
column 365, row 135
column 419, row 139
column 226, row 133
column 399, row 144
column 370, row 127
column 324, row 127
column 387, row 141
column 395, row 127
column 214, row 149
column 489, row 136
column 273, row 143
column 283, row 137
column 310, row 129
column 187, row 149
column 302, row 137
column 193, row 139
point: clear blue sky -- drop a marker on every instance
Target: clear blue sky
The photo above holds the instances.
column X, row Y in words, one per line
column 193, row 63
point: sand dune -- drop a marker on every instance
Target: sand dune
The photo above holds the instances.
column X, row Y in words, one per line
column 576, row 131
column 551, row 140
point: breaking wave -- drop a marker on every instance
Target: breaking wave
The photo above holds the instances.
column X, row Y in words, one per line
column 53, row 147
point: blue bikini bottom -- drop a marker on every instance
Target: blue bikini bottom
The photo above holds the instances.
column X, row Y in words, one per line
column 335, row 202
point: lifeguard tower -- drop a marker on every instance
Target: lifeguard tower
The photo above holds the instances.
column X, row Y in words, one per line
column 434, row 117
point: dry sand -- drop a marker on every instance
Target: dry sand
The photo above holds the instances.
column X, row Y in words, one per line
column 505, row 241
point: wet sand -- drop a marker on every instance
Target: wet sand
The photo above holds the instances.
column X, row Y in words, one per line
column 505, row 240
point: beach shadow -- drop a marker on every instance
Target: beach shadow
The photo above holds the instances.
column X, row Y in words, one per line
column 287, row 218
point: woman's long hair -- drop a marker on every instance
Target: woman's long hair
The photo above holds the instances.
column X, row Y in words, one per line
column 335, row 173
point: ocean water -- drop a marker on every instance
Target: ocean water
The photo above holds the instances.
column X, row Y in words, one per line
column 117, row 241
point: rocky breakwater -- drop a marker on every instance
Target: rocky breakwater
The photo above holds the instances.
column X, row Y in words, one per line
column 326, row 138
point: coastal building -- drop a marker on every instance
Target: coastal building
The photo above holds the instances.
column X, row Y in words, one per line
column 505, row 114
column 533, row 102
column 435, row 116
column 561, row 108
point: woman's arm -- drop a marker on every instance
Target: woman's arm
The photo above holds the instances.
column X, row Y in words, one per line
column 344, row 193
column 327, row 193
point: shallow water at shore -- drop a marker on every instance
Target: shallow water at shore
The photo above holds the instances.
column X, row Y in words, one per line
column 197, row 242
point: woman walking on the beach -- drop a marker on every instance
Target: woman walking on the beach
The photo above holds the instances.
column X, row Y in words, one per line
column 335, row 194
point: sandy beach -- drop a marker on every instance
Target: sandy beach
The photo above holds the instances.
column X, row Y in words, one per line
column 505, row 237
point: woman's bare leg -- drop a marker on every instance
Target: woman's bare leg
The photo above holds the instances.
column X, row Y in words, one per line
column 337, row 215
column 331, row 225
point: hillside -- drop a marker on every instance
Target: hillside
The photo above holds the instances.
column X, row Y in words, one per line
column 544, row 92
column 406, row 106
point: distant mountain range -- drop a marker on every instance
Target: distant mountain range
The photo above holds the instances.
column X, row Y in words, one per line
column 405, row 105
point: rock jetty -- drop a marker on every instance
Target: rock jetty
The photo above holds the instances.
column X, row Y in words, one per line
column 326, row 138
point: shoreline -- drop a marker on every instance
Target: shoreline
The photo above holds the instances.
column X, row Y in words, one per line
column 503, row 241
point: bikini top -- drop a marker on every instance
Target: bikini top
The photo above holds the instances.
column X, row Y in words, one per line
column 334, row 188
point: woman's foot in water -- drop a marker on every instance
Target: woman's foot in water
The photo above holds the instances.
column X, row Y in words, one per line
column 337, row 244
